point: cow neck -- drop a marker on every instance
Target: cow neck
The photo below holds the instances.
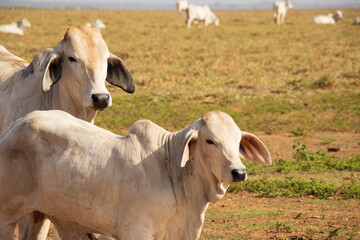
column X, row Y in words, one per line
column 193, row 188
column 60, row 98
column 194, row 170
column 194, row 181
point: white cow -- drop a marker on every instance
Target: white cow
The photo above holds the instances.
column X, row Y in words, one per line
column 280, row 9
column 98, row 25
column 16, row 28
column 357, row 21
column 150, row 184
column 70, row 77
column 329, row 19
column 198, row 14
column 181, row 5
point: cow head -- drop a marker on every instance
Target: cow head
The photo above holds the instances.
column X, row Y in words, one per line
column 24, row 24
column 218, row 146
column 181, row 5
column 338, row 15
column 289, row 5
column 82, row 63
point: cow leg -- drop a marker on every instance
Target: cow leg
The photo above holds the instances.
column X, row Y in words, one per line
column 71, row 230
column 88, row 236
column 275, row 17
column 67, row 231
column 95, row 236
column 282, row 18
column 34, row 226
column 137, row 231
column 189, row 23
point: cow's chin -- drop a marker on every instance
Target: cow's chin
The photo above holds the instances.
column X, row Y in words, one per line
column 97, row 108
column 90, row 106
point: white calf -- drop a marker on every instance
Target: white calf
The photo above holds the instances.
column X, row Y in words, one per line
column 151, row 184
column 280, row 9
column 357, row 21
column 16, row 28
column 70, row 77
column 181, row 5
column 329, row 19
column 98, row 25
column 200, row 14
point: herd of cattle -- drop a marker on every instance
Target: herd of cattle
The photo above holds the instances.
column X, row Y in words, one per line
column 197, row 14
column 55, row 165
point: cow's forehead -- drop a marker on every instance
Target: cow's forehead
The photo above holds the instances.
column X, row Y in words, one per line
column 86, row 42
column 221, row 125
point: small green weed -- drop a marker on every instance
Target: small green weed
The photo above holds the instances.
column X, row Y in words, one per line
column 351, row 190
column 332, row 233
column 291, row 187
column 282, row 227
column 327, row 141
column 324, row 82
column 299, row 131
column 307, row 161
column 351, row 234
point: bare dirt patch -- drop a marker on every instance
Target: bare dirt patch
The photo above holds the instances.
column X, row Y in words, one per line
column 244, row 216
column 280, row 145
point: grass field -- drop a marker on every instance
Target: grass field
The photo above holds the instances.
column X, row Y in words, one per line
column 295, row 84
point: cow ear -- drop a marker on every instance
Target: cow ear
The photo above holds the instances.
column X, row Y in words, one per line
column 253, row 149
column 52, row 71
column 118, row 74
column 188, row 147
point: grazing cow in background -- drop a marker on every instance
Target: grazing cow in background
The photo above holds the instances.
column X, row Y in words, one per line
column 357, row 21
column 71, row 77
column 198, row 14
column 16, row 28
column 181, row 5
column 98, row 25
column 329, row 19
column 150, row 184
column 280, row 9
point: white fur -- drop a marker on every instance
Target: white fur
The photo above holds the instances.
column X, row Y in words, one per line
column 16, row 28
column 150, row 184
column 52, row 81
column 181, row 5
column 280, row 9
column 329, row 19
column 198, row 14
column 98, row 25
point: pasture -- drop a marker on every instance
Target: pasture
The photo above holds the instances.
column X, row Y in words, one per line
column 297, row 86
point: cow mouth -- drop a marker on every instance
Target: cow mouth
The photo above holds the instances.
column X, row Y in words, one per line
column 100, row 101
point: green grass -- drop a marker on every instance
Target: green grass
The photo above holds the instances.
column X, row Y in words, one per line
column 291, row 187
column 304, row 163
column 294, row 79
column 298, row 76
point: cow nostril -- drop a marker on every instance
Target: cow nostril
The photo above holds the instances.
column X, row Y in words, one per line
column 238, row 175
column 95, row 98
column 100, row 101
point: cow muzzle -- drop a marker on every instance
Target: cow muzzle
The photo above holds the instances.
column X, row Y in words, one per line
column 238, row 175
column 100, row 101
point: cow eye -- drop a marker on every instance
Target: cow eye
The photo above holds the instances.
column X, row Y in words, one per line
column 209, row 141
column 71, row 59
